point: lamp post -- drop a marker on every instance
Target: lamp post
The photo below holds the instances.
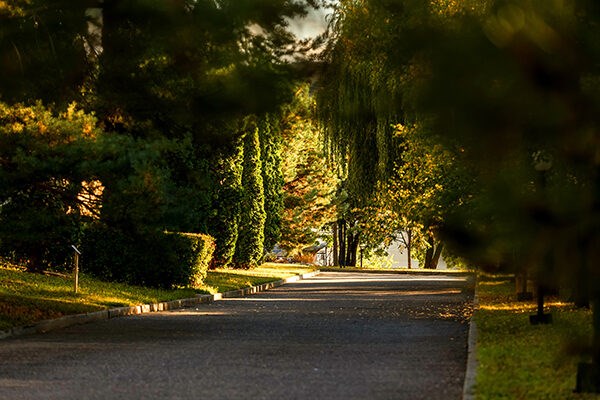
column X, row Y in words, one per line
column 542, row 162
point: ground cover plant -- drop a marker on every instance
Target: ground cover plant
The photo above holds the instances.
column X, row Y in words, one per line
column 518, row 360
column 26, row 298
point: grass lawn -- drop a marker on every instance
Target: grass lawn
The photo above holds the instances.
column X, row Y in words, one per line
column 26, row 298
column 521, row 361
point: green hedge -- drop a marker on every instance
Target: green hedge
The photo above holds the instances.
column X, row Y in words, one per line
column 193, row 252
column 155, row 259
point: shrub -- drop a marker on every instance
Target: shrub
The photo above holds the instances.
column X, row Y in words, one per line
column 156, row 259
column 193, row 253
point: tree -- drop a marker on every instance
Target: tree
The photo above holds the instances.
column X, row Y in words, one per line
column 44, row 160
column 365, row 103
column 227, row 199
column 270, row 136
column 249, row 248
column 310, row 183
column 535, row 94
column 507, row 81
column 194, row 72
column 429, row 181
column 362, row 89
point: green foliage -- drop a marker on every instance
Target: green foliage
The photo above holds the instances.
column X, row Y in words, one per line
column 249, row 248
column 532, row 95
column 44, row 158
column 170, row 84
column 190, row 63
column 155, row 259
column 363, row 91
column 192, row 251
column 271, row 147
column 310, row 183
column 489, row 83
column 227, row 197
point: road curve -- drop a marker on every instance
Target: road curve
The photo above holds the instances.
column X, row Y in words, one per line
column 334, row 336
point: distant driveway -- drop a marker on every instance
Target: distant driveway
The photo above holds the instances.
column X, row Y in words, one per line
column 335, row 336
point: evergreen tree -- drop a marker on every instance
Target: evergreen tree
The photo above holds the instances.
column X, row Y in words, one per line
column 44, row 159
column 249, row 248
column 270, row 144
column 227, row 202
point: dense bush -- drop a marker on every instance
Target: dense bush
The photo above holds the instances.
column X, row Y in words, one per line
column 192, row 252
column 157, row 259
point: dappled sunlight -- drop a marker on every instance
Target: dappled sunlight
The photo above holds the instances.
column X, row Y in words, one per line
column 197, row 312
column 388, row 278
column 324, row 295
column 492, row 283
column 456, row 312
column 428, row 292
column 523, row 307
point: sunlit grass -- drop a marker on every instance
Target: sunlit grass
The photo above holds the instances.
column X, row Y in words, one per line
column 518, row 360
column 222, row 280
column 26, row 298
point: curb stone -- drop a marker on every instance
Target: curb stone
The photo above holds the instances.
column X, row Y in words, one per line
column 471, row 371
column 79, row 319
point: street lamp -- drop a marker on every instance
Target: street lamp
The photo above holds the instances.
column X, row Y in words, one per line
column 542, row 162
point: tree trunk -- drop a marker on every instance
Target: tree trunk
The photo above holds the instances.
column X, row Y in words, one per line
column 429, row 253
column 352, row 250
column 336, row 260
column 436, row 256
column 342, row 242
column 409, row 247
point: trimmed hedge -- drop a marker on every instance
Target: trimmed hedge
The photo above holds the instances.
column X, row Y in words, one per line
column 155, row 259
column 193, row 252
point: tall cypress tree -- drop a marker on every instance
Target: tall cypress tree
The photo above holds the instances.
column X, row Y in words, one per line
column 227, row 198
column 270, row 144
column 251, row 233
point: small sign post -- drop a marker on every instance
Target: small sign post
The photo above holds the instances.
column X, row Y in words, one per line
column 76, row 271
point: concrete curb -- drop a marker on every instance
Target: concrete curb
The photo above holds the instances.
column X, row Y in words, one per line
column 471, row 371
column 79, row 319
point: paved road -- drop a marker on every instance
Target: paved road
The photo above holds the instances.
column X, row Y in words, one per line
column 334, row 336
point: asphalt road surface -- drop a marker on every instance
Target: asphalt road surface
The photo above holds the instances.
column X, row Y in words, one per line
column 334, row 336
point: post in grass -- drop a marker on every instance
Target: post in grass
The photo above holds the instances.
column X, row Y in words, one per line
column 76, row 269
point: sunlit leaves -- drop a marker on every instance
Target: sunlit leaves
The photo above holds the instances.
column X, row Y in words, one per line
column 310, row 184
